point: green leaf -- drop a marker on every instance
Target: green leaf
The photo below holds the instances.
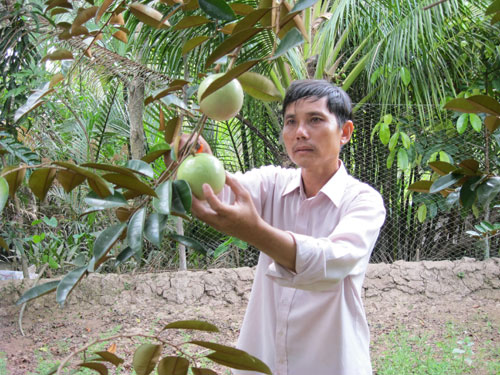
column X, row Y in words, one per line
column 111, row 201
column 241, row 9
column 41, row 180
column 492, row 123
column 188, row 242
column 422, row 212
column 38, row 291
column 110, row 357
column 292, row 39
column 445, row 181
column 441, row 167
column 173, row 366
column 156, row 151
column 154, row 227
column 4, row 193
column 142, row 167
column 302, row 4
column 202, row 371
column 192, row 324
column 181, row 198
column 33, row 101
column 475, row 121
column 462, row 123
column 469, row 165
column 384, row 133
column 131, row 183
column 488, row 190
column 230, row 44
column 217, row 9
column 95, row 181
column 52, row 222
column 461, row 105
column 69, row 179
column 148, row 15
column 135, row 231
column 110, row 168
column 232, row 357
column 485, row 104
column 251, row 19
column 172, row 129
column 14, row 179
column 405, row 75
column 402, row 159
column 99, row 367
column 103, row 243
column 124, row 255
column 193, row 43
column 191, row 21
column 163, row 202
column 467, row 192
column 68, row 282
column 259, row 87
column 145, row 358
column 405, row 139
column 388, row 119
column 228, row 77
column 493, row 8
column 393, row 141
column 390, row 159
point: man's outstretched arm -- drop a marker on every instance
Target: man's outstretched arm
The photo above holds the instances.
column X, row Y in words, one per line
column 241, row 220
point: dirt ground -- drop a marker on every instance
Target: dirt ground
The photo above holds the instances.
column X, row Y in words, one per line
column 424, row 298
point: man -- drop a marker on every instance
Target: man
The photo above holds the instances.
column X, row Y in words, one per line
column 315, row 227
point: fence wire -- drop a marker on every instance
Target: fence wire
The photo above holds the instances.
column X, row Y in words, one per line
column 442, row 235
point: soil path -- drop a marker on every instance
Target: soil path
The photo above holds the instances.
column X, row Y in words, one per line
column 421, row 297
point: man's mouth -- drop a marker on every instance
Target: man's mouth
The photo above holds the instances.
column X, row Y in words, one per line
column 303, row 149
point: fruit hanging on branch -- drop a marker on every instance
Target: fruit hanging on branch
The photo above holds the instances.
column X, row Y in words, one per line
column 224, row 103
column 202, row 169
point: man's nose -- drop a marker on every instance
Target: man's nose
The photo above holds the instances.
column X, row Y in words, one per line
column 301, row 131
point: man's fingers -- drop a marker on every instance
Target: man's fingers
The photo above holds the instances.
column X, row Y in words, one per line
column 212, row 199
column 200, row 210
column 236, row 187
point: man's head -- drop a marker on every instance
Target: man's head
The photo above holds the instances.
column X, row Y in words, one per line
column 338, row 102
column 316, row 124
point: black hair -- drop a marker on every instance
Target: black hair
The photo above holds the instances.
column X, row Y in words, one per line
column 338, row 102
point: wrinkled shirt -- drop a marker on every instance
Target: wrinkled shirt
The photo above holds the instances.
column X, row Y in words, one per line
column 312, row 321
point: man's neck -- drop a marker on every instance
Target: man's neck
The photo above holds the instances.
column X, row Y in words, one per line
column 313, row 180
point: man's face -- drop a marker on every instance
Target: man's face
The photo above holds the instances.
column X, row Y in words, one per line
column 312, row 136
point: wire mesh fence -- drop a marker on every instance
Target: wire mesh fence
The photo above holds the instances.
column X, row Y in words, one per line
column 442, row 235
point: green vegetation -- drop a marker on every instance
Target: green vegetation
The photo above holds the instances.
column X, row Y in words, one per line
column 448, row 353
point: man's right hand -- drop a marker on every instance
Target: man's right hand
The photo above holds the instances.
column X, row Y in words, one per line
column 202, row 146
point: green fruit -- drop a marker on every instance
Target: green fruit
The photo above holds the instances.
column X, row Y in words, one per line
column 224, row 103
column 202, row 169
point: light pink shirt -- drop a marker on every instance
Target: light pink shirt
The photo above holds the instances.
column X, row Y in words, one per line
column 312, row 322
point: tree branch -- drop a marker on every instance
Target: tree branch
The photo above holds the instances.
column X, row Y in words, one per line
column 435, row 4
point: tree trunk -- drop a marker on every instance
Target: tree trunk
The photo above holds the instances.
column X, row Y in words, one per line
column 136, row 111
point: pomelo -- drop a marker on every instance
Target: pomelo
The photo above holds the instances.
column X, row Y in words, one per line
column 224, row 103
column 202, row 169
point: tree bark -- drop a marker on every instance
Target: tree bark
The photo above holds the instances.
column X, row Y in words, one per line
column 136, row 111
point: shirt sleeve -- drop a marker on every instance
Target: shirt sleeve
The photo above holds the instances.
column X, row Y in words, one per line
column 323, row 262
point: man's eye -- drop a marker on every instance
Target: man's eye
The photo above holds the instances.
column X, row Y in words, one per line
column 289, row 122
column 316, row 119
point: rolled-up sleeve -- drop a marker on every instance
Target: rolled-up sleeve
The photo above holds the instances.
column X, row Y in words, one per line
column 323, row 262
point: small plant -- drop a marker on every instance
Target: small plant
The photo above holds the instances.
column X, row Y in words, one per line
column 156, row 352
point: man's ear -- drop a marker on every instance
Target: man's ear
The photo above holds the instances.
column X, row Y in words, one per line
column 347, row 130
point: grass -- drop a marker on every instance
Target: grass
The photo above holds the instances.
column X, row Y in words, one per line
column 3, row 363
column 453, row 354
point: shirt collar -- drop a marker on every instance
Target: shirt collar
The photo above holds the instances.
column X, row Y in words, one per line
column 333, row 189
